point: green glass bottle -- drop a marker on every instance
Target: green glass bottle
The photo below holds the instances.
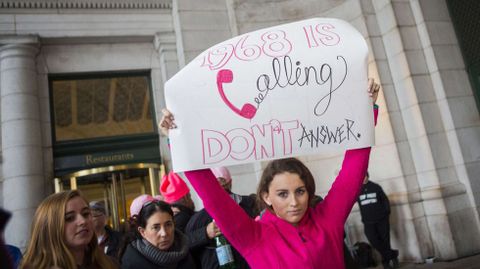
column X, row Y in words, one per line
column 224, row 253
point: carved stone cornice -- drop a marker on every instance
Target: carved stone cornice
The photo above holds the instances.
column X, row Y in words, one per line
column 86, row 4
column 12, row 46
column 19, row 39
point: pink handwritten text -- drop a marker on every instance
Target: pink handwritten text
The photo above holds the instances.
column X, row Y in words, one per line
column 258, row 142
column 321, row 33
column 273, row 44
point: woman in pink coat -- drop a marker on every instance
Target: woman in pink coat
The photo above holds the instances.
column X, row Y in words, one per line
column 291, row 233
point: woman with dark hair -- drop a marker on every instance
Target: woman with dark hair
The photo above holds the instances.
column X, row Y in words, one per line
column 288, row 165
column 291, row 233
column 63, row 236
column 156, row 243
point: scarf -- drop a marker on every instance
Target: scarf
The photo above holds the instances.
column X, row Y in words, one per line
column 168, row 258
column 238, row 198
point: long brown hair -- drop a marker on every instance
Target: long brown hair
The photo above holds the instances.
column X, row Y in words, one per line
column 291, row 165
column 47, row 247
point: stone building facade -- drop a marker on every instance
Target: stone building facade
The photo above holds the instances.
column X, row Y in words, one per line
column 427, row 153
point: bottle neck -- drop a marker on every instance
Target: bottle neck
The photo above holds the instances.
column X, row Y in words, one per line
column 220, row 240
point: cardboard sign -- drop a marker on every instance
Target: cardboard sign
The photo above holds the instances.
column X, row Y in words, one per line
column 285, row 91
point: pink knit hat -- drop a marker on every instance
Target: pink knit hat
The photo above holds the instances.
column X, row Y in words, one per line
column 158, row 197
column 222, row 172
column 173, row 188
column 138, row 203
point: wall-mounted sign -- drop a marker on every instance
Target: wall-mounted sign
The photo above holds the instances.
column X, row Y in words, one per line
column 67, row 164
column 91, row 159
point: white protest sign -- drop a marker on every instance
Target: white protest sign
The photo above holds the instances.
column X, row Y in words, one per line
column 289, row 90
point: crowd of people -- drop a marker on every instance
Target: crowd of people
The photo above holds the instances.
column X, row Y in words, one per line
column 283, row 225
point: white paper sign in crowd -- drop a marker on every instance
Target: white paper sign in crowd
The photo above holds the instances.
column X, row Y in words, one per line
column 290, row 90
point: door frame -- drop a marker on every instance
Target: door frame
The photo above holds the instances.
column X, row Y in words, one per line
column 117, row 182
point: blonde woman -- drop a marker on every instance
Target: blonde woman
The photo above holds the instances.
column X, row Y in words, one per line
column 63, row 235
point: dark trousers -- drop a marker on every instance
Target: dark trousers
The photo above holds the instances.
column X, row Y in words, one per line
column 378, row 234
column 350, row 263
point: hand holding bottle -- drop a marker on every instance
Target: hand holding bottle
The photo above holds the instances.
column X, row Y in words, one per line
column 212, row 230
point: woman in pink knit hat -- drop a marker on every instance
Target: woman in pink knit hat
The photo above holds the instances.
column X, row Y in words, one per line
column 176, row 192
column 223, row 177
column 291, row 233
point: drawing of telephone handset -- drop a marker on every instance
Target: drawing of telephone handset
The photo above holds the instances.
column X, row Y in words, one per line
column 226, row 76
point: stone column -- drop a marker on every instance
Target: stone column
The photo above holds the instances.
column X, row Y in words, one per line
column 413, row 106
column 22, row 157
column 168, row 64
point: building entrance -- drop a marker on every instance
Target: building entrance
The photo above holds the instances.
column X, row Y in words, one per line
column 116, row 185
column 105, row 140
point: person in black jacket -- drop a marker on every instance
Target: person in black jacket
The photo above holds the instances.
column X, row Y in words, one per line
column 107, row 238
column 5, row 258
column 175, row 191
column 201, row 229
column 375, row 212
column 156, row 244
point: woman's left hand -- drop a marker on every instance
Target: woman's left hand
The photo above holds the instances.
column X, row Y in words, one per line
column 373, row 89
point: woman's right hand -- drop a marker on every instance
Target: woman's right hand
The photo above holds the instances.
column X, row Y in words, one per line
column 167, row 122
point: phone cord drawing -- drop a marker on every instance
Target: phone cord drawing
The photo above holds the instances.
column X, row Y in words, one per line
column 226, row 76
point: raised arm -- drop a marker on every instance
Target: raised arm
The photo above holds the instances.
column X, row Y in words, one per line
column 240, row 230
column 345, row 190
column 235, row 224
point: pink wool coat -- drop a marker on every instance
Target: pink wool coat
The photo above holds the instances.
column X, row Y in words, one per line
column 316, row 242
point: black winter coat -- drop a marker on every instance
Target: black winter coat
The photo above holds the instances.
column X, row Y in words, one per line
column 202, row 248
column 112, row 242
column 133, row 258
column 182, row 218
column 373, row 203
